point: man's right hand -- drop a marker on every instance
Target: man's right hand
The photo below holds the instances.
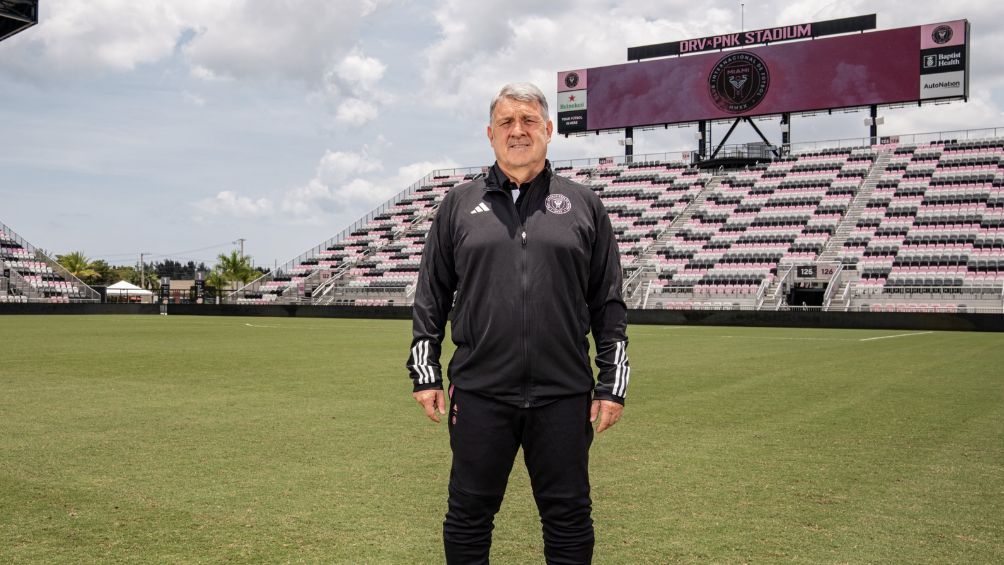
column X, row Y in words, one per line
column 431, row 401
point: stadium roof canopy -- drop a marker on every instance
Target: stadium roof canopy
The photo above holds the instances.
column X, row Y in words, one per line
column 17, row 15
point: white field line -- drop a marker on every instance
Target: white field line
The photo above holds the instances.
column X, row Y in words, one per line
column 259, row 326
column 780, row 338
column 892, row 336
column 773, row 338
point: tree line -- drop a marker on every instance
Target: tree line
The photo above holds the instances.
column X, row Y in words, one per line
column 230, row 270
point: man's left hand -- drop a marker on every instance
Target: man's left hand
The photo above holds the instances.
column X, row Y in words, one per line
column 608, row 412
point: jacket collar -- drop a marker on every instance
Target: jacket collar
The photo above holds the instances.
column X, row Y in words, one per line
column 496, row 179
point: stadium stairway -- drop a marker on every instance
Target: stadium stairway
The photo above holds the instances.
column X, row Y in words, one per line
column 636, row 283
column 858, row 204
column 838, row 298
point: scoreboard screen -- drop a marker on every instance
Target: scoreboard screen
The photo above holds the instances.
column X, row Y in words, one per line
column 928, row 62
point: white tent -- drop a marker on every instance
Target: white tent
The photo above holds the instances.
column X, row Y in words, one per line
column 123, row 291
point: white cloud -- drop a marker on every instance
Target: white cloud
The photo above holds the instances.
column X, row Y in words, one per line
column 236, row 39
column 116, row 35
column 337, row 166
column 356, row 112
column 344, row 186
column 263, row 38
column 229, row 203
column 357, row 68
column 351, row 85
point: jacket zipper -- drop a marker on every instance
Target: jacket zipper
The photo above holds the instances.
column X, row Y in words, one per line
column 523, row 291
column 526, row 367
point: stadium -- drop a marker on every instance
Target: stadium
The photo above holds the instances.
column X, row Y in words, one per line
column 815, row 332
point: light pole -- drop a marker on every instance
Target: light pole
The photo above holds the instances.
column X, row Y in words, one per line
column 142, row 270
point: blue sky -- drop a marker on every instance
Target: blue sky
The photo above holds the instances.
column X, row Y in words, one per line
column 174, row 127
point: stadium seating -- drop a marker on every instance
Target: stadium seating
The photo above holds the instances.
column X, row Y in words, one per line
column 376, row 257
column 934, row 225
column 31, row 276
column 910, row 226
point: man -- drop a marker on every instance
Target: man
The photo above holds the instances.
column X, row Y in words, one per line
column 532, row 259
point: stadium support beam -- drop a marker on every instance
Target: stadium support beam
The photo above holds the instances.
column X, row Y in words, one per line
column 786, row 132
column 702, row 129
column 733, row 128
column 873, row 126
column 628, row 144
column 726, row 138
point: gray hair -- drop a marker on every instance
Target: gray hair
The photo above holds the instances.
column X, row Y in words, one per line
column 525, row 91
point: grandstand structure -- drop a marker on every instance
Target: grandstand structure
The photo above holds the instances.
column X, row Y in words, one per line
column 881, row 224
column 914, row 224
column 29, row 275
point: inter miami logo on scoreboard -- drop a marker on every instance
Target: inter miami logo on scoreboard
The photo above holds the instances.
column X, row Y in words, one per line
column 572, row 80
column 942, row 34
column 739, row 82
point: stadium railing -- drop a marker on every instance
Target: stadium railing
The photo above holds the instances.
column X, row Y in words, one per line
column 79, row 291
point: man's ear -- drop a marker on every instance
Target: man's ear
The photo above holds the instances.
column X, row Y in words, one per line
column 550, row 129
column 491, row 135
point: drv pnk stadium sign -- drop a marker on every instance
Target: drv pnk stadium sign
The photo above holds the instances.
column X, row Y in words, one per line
column 798, row 71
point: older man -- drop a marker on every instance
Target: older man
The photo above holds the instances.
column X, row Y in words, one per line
column 532, row 259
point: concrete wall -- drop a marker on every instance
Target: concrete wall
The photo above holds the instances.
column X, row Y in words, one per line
column 790, row 319
column 77, row 309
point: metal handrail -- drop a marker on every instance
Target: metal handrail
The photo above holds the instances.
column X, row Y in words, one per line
column 761, row 293
column 846, row 296
column 831, row 288
column 27, row 290
column 637, row 273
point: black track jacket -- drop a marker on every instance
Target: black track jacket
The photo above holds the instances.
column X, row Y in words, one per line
column 530, row 283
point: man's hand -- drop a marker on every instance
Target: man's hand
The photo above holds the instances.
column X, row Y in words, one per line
column 608, row 411
column 431, row 400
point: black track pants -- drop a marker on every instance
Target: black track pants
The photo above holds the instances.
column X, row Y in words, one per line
column 485, row 436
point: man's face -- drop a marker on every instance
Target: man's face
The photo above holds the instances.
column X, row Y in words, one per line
column 519, row 135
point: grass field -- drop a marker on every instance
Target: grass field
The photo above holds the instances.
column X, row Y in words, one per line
column 154, row 439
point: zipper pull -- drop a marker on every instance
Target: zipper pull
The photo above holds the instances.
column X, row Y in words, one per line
column 524, row 238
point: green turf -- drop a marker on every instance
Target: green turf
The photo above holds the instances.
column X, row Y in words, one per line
column 262, row 440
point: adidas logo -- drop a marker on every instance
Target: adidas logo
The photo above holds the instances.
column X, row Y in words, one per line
column 482, row 207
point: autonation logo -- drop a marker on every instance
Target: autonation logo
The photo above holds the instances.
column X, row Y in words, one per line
column 942, row 84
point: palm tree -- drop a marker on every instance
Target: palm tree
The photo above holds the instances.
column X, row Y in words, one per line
column 217, row 280
column 236, row 267
column 79, row 266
